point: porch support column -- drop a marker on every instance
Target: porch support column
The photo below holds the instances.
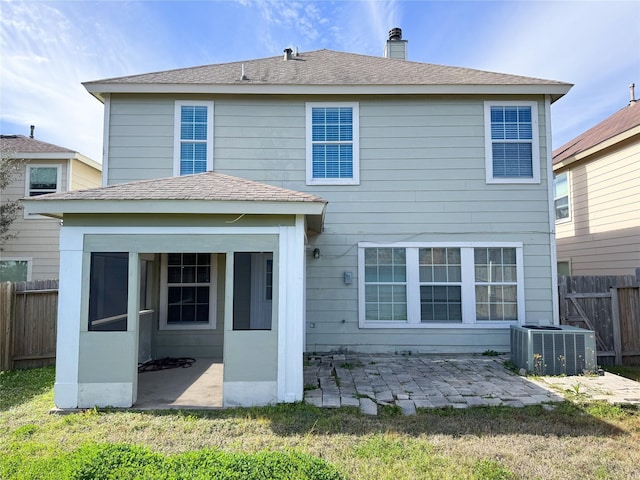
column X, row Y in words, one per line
column 69, row 314
column 292, row 312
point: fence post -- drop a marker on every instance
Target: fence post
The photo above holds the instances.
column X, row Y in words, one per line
column 615, row 321
column 6, row 318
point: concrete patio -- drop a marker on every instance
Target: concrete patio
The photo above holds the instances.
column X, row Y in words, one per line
column 369, row 381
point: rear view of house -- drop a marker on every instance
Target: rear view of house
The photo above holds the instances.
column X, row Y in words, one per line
column 310, row 201
column 44, row 168
column 597, row 197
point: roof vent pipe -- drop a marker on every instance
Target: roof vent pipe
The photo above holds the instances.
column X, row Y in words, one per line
column 33, row 127
column 632, row 94
column 287, row 53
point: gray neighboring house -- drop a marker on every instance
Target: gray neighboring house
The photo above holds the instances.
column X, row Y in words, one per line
column 313, row 201
column 45, row 168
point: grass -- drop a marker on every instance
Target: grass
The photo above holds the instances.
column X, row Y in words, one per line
column 589, row 441
column 628, row 371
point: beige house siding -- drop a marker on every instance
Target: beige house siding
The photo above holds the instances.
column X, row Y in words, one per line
column 38, row 236
column 84, row 176
column 602, row 236
column 422, row 179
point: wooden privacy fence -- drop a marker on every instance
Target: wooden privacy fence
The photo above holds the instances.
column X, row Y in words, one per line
column 28, row 313
column 608, row 305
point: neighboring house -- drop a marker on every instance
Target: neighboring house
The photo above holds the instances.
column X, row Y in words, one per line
column 45, row 168
column 350, row 202
column 597, row 197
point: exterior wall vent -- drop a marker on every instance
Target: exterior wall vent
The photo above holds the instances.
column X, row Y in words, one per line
column 562, row 350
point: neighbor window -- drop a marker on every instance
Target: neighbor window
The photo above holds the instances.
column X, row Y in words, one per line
column 108, row 291
column 42, row 180
column 408, row 285
column 332, row 143
column 511, row 142
column 188, row 291
column 15, row 269
column 561, row 196
column 193, row 137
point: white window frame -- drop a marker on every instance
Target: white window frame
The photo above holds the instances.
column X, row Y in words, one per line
column 164, row 286
column 535, row 142
column 177, row 140
column 27, row 185
column 568, row 219
column 29, row 261
column 355, row 179
column 468, row 286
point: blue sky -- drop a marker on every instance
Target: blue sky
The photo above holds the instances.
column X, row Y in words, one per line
column 48, row 48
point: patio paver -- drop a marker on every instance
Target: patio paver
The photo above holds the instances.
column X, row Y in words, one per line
column 437, row 381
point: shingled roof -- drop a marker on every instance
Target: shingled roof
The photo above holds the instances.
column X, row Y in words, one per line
column 201, row 186
column 320, row 68
column 22, row 144
column 618, row 123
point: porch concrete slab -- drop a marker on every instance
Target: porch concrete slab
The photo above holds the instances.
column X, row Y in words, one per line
column 196, row 387
column 458, row 381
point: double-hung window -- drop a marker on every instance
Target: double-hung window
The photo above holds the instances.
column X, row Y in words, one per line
column 15, row 269
column 193, row 137
column 561, row 196
column 188, row 291
column 42, row 179
column 426, row 285
column 332, row 131
column 511, row 142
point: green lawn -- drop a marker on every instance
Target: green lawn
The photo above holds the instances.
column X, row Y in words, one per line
column 628, row 371
column 593, row 441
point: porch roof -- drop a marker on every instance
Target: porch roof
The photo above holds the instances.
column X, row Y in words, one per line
column 203, row 193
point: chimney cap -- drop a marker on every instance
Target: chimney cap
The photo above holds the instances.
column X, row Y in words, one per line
column 395, row 33
column 287, row 53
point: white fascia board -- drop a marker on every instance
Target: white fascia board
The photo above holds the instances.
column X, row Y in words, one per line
column 555, row 90
column 57, row 208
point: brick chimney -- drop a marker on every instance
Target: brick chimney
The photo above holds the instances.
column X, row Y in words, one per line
column 395, row 46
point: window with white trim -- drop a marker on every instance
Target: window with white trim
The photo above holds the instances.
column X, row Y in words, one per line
column 511, row 142
column 422, row 285
column 42, row 179
column 561, row 197
column 15, row 269
column 193, row 137
column 188, row 292
column 333, row 156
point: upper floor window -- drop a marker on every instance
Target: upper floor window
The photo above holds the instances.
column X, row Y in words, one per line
column 193, row 137
column 561, row 196
column 42, row 179
column 511, row 142
column 333, row 143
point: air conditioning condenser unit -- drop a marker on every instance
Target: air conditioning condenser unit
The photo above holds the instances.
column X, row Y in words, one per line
column 549, row 350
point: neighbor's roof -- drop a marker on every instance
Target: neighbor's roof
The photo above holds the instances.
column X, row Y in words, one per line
column 19, row 146
column 22, row 144
column 622, row 122
column 327, row 71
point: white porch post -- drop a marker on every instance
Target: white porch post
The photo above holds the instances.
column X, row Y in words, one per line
column 69, row 315
column 291, row 307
